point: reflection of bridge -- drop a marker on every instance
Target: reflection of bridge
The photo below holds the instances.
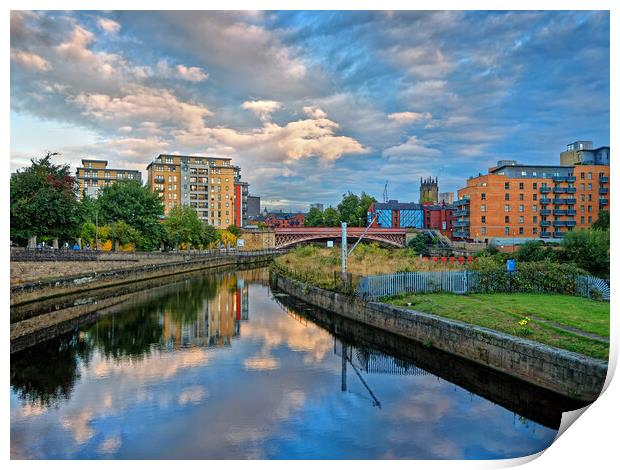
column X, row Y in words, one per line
column 286, row 237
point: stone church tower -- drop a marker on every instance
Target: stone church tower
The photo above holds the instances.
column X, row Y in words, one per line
column 429, row 190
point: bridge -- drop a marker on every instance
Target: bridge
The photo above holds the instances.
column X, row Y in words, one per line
column 286, row 237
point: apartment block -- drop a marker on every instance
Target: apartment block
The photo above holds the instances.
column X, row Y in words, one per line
column 94, row 175
column 515, row 201
column 205, row 183
column 583, row 153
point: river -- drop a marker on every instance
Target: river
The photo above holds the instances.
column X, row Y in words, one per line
column 220, row 367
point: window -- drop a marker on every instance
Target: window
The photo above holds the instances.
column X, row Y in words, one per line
column 484, row 230
column 582, row 197
column 589, row 197
column 589, row 186
column 589, row 175
column 535, row 208
column 523, row 173
column 506, row 230
column 534, row 231
column 507, row 219
column 535, row 197
column 507, row 197
column 589, row 208
column 582, row 208
column 535, row 219
column 520, row 230
column 534, row 185
column 483, row 208
column 582, row 186
column 483, row 196
column 506, row 208
column 582, row 175
column 506, row 185
column 521, row 197
column 534, row 175
column 521, row 208
column 583, row 219
column 589, row 219
column 520, row 219
column 483, row 219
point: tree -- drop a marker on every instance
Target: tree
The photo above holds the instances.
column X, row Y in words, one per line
column 227, row 238
column 331, row 217
column 136, row 205
column 420, row 244
column 183, row 226
column 354, row 209
column 533, row 250
column 589, row 250
column 123, row 233
column 314, row 218
column 44, row 201
column 236, row 231
column 209, row 235
column 365, row 202
column 602, row 223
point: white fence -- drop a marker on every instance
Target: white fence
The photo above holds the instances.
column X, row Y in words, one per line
column 457, row 282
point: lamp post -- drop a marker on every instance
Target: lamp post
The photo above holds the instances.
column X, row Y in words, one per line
column 96, row 229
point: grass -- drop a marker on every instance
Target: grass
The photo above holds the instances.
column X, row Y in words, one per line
column 367, row 260
column 503, row 312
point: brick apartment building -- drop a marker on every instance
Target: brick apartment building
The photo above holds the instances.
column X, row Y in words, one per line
column 515, row 201
column 94, row 175
column 284, row 219
column 205, row 183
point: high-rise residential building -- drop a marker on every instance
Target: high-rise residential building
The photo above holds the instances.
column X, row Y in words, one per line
column 446, row 198
column 253, row 206
column 582, row 153
column 317, row 205
column 241, row 202
column 516, row 201
column 205, row 183
column 94, row 175
column 429, row 190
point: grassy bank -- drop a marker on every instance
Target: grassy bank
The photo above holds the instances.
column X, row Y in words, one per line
column 556, row 320
column 317, row 265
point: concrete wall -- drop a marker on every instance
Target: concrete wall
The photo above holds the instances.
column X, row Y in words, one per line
column 258, row 239
column 563, row 372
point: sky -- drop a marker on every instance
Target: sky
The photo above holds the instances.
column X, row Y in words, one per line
column 311, row 104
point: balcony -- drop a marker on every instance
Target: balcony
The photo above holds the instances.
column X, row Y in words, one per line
column 545, row 189
column 559, row 223
column 558, row 234
column 460, row 212
column 460, row 234
column 603, row 202
column 545, row 223
column 545, row 212
column 564, row 201
column 603, row 190
column 545, row 200
column 545, row 234
column 603, row 179
column 461, row 202
column 460, row 223
column 571, row 212
column 563, row 179
column 557, row 190
column 559, row 212
column 571, row 223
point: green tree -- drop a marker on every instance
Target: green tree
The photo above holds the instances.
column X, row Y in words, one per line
column 602, row 223
column 123, row 233
column 183, row 226
column 420, row 244
column 349, row 209
column 365, row 201
column 314, row 218
column 208, row 235
column 533, row 250
column 589, row 250
column 136, row 205
column 236, row 231
column 331, row 217
column 44, row 201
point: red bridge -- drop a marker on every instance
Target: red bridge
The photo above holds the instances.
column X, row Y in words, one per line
column 286, row 237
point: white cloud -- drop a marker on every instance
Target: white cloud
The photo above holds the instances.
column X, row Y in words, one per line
column 413, row 148
column 191, row 74
column 108, row 25
column 262, row 108
column 408, row 117
column 30, row 60
column 315, row 112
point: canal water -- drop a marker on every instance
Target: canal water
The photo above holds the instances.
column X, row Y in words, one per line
column 221, row 367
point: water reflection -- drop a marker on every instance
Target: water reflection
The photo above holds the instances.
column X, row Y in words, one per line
column 214, row 367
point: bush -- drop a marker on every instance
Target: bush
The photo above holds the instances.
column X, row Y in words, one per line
column 588, row 249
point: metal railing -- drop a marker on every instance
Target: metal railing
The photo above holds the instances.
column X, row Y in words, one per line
column 462, row 282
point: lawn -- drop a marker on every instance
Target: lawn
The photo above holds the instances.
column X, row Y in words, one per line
column 503, row 312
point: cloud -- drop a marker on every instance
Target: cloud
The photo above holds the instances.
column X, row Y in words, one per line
column 192, row 74
column 413, row 148
column 315, row 112
column 30, row 60
column 108, row 25
column 409, row 117
column 262, row 108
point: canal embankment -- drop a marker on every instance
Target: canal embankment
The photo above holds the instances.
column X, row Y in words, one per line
column 45, row 308
column 564, row 372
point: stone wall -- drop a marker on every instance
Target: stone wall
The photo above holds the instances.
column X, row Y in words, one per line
column 258, row 239
column 563, row 372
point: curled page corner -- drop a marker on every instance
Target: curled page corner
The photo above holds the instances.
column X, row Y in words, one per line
column 568, row 418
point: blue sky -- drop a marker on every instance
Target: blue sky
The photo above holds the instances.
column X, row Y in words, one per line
column 311, row 104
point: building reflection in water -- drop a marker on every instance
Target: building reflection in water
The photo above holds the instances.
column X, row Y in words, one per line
column 215, row 321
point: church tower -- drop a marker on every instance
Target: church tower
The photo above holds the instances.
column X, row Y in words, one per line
column 429, row 190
